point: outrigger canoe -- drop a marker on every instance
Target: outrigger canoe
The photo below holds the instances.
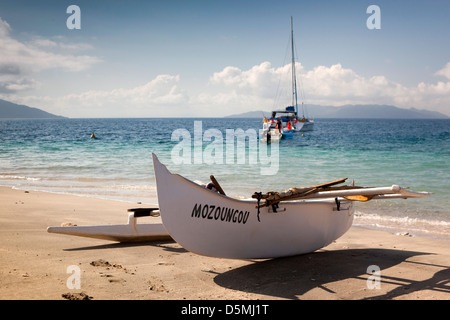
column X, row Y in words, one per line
column 272, row 225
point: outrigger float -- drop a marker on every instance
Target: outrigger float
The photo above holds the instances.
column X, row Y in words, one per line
column 268, row 225
column 130, row 232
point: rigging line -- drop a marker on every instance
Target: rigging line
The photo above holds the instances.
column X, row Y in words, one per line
column 280, row 92
column 300, row 79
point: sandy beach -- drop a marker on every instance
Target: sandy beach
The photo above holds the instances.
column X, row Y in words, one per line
column 35, row 264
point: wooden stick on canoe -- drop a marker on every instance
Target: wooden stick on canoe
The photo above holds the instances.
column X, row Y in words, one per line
column 217, row 185
column 295, row 193
column 329, row 184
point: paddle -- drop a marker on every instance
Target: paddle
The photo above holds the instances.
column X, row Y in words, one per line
column 217, row 185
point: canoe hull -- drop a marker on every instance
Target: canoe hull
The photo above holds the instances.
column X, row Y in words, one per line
column 210, row 224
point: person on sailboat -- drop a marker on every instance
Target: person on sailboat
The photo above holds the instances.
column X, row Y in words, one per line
column 279, row 126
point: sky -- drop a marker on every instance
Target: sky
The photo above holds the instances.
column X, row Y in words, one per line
column 215, row 58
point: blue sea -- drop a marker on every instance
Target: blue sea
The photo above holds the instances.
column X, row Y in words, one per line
column 59, row 156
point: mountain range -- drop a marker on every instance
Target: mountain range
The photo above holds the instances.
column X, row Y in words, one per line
column 15, row 111
column 357, row 111
column 9, row 110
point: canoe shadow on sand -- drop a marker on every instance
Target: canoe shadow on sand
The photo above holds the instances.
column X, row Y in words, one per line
column 294, row 276
column 119, row 245
column 291, row 277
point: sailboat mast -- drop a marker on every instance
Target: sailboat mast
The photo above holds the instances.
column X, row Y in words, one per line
column 294, row 78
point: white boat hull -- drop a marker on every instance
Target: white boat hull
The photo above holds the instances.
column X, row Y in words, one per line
column 270, row 135
column 207, row 223
column 298, row 126
column 307, row 126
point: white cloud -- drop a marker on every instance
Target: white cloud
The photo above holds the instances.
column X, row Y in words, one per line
column 61, row 43
column 234, row 90
column 157, row 98
column 260, row 78
column 19, row 61
column 5, row 28
column 445, row 71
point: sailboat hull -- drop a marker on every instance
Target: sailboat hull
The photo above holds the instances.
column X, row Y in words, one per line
column 307, row 126
column 211, row 224
column 287, row 134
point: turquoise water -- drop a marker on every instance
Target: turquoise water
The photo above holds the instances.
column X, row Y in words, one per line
column 59, row 156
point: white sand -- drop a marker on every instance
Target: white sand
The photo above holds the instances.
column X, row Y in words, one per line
column 34, row 263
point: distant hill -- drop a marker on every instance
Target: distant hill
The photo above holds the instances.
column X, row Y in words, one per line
column 9, row 110
column 357, row 111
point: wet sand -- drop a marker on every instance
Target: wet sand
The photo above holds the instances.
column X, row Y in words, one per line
column 37, row 265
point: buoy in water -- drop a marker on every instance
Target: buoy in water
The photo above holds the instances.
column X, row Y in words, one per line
column 93, row 136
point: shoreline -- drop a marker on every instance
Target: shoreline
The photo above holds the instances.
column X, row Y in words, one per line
column 35, row 263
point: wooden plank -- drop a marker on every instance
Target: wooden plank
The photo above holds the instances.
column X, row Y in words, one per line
column 217, row 185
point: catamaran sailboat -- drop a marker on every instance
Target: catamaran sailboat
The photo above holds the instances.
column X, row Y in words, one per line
column 287, row 121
